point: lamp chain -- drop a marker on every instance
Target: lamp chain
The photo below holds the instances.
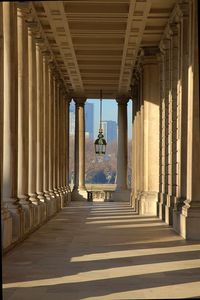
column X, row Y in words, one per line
column 100, row 109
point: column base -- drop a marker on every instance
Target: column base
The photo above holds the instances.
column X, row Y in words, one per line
column 79, row 194
column 43, row 207
column 69, row 194
column 64, row 191
column 121, row 195
column 132, row 200
column 62, row 198
column 18, row 219
column 161, row 206
column 28, row 210
column 190, row 220
column 37, row 206
column 178, row 204
column 169, row 207
column 136, row 199
column 148, row 203
column 53, row 202
column 6, row 222
column 58, row 199
column 48, row 203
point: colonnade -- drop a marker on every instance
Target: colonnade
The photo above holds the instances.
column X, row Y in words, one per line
column 166, row 134
column 34, row 128
column 34, row 123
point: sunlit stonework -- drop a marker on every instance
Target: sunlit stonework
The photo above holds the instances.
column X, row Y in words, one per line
column 134, row 243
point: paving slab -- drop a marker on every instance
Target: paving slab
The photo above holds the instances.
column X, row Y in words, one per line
column 102, row 250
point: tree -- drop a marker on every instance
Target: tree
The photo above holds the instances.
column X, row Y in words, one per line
column 99, row 169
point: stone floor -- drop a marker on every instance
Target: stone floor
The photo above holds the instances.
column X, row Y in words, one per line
column 102, row 251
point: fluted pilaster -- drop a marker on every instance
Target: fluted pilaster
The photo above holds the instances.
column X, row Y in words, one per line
column 121, row 193
column 13, row 230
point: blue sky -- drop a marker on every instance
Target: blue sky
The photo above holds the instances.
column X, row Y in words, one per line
column 109, row 113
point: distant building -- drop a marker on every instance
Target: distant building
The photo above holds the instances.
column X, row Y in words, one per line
column 110, row 130
column 72, row 118
column 89, row 119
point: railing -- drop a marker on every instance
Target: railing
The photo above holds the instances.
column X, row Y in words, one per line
column 101, row 192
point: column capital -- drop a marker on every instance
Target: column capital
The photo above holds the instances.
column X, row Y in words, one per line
column 51, row 66
column 164, row 45
column 183, row 8
column 39, row 42
column 149, row 55
column 67, row 98
column 122, row 100
column 56, row 75
column 62, row 87
column 46, row 53
column 33, row 28
column 80, row 100
column 173, row 28
column 149, row 51
column 23, row 8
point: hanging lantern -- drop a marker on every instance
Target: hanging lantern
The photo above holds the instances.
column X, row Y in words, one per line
column 100, row 143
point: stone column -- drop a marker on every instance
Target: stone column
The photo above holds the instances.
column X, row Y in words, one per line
column 55, row 141
column 133, row 157
column 149, row 196
column 40, row 133
column 67, row 104
column 1, row 102
column 65, row 162
column 79, row 191
column 121, row 193
column 46, row 145
column 173, row 116
column 190, row 217
column 32, row 126
column 58, row 143
column 76, row 151
column 164, row 47
column 141, row 133
column 12, row 230
column 135, row 94
column 182, row 108
column 162, row 138
column 62, row 145
column 5, row 215
column 51, row 147
column 137, row 178
column 23, row 121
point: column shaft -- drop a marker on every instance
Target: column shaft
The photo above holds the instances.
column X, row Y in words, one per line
column 46, row 144
column 79, row 191
column 122, row 146
column 151, row 93
column 32, row 127
column 23, row 120
column 76, row 150
column 190, row 217
column 172, row 124
column 56, row 144
column 40, row 131
column 67, row 103
column 81, row 113
column 9, row 185
column 51, row 141
column 122, row 193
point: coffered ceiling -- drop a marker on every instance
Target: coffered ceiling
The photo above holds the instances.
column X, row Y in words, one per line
column 95, row 42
